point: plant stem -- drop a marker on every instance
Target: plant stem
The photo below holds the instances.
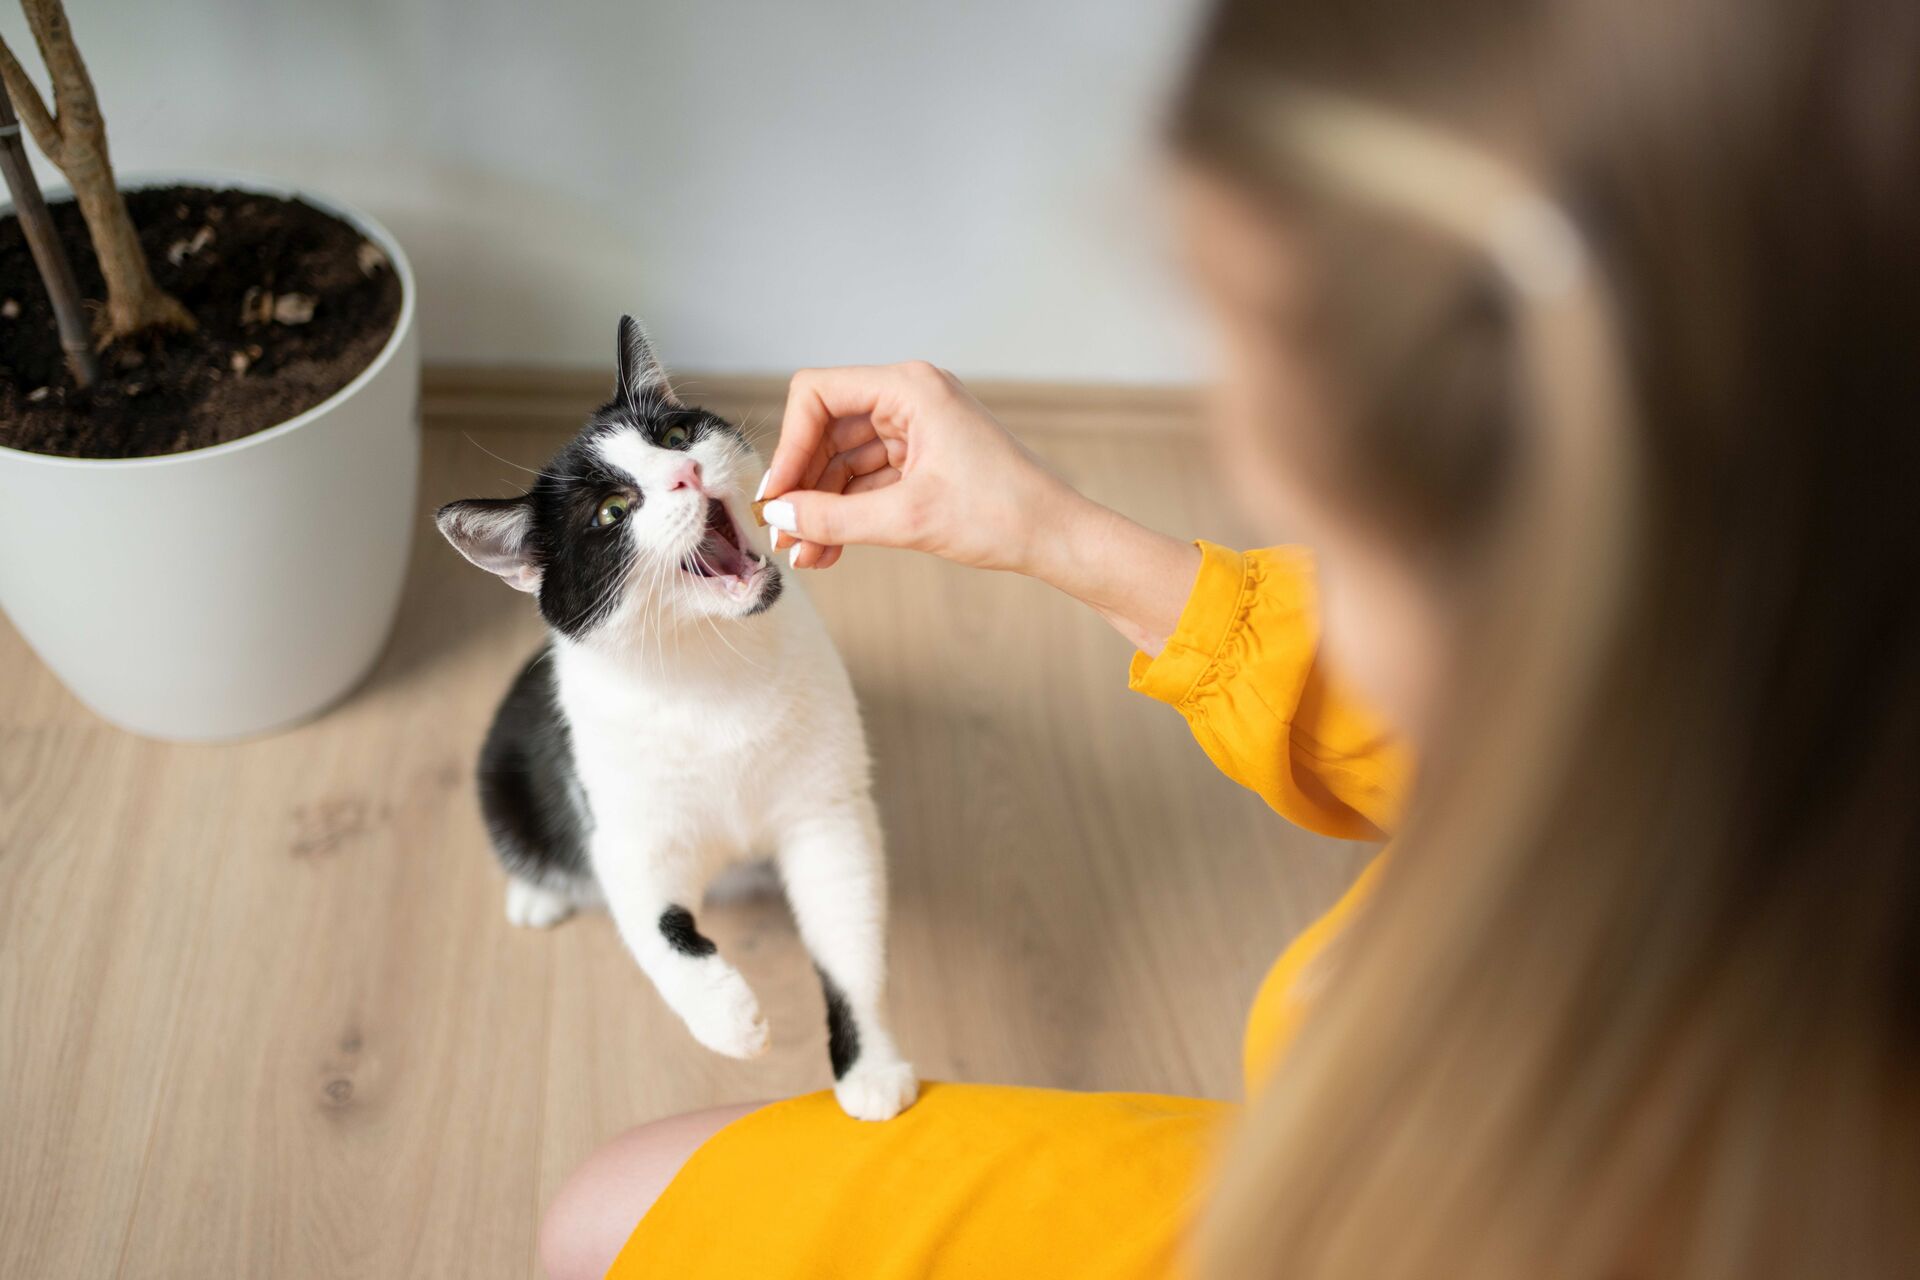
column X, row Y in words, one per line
column 44, row 242
column 134, row 301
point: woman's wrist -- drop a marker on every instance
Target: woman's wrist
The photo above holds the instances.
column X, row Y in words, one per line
column 1135, row 578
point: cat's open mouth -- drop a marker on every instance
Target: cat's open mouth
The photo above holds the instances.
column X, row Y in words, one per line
column 720, row 554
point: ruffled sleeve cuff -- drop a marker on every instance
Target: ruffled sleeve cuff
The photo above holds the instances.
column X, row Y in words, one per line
column 1213, row 607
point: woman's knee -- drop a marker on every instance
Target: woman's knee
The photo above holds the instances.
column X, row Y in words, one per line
column 600, row 1203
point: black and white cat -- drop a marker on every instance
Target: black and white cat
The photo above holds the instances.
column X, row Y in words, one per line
column 677, row 723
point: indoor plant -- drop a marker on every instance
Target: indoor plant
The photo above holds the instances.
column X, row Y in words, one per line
column 204, row 534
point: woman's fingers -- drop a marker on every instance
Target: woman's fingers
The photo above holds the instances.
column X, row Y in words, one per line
column 847, row 439
column 877, row 517
column 816, row 400
column 816, row 464
column 873, row 480
column 841, row 436
column 811, row 555
column 850, row 433
column 843, row 468
column 827, row 557
column 828, row 440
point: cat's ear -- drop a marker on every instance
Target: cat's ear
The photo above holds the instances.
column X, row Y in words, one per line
column 641, row 383
column 494, row 534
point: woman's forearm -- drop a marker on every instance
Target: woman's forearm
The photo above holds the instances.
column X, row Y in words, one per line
column 1136, row 579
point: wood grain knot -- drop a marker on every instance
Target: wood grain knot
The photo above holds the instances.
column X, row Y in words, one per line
column 339, row 1091
column 323, row 829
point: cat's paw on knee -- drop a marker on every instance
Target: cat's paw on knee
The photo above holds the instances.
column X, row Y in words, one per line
column 728, row 1020
column 877, row 1090
column 532, row 907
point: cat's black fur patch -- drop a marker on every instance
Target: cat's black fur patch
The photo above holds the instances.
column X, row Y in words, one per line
column 676, row 926
column 582, row 566
column 843, row 1037
column 534, row 806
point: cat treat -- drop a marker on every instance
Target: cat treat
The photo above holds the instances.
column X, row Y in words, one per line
column 642, row 752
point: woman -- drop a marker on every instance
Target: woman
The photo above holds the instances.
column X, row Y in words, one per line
column 1581, row 341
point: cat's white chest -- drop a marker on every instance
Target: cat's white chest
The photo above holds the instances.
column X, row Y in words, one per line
column 700, row 751
column 694, row 760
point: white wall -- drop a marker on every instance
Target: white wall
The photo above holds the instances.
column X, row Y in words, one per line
column 767, row 184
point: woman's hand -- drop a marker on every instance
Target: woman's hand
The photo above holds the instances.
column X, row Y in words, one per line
column 902, row 456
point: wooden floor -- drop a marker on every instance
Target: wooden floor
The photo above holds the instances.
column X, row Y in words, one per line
column 261, row 1014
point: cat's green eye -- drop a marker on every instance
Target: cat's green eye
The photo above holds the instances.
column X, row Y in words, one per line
column 613, row 510
column 676, row 438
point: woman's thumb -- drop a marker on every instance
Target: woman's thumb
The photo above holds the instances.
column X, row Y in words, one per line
column 837, row 519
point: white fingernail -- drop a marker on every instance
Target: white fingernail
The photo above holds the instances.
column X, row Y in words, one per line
column 761, row 492
column 793, row 555
column 779, row 514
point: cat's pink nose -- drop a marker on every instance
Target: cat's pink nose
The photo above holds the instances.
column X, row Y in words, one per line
column 686, row 475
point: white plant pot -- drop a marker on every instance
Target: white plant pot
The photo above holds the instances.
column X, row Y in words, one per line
column 231, row 590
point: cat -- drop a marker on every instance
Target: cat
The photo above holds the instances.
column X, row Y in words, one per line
column 687, row 714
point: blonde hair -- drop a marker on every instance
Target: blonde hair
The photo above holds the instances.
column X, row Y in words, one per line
column 1640, row 992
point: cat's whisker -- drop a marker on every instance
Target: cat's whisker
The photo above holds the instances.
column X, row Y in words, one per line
column 704, row 646
column 755, row 433
column 660, row 584
column 468, row 437
column 721, row 635
column 642, row 585
column 666, row 628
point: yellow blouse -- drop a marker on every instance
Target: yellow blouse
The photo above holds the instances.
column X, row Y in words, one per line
column 1271, row 718
column 993, row 1181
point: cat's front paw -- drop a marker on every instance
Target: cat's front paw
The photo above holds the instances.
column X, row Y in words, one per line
column 728, row 1019
column 532, row 907
column 877, row 1090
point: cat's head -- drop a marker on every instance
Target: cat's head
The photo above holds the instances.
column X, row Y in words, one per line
column 636, row 522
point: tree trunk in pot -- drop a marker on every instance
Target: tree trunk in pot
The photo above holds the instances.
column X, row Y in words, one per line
column 74, row 137
column 134, row 301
